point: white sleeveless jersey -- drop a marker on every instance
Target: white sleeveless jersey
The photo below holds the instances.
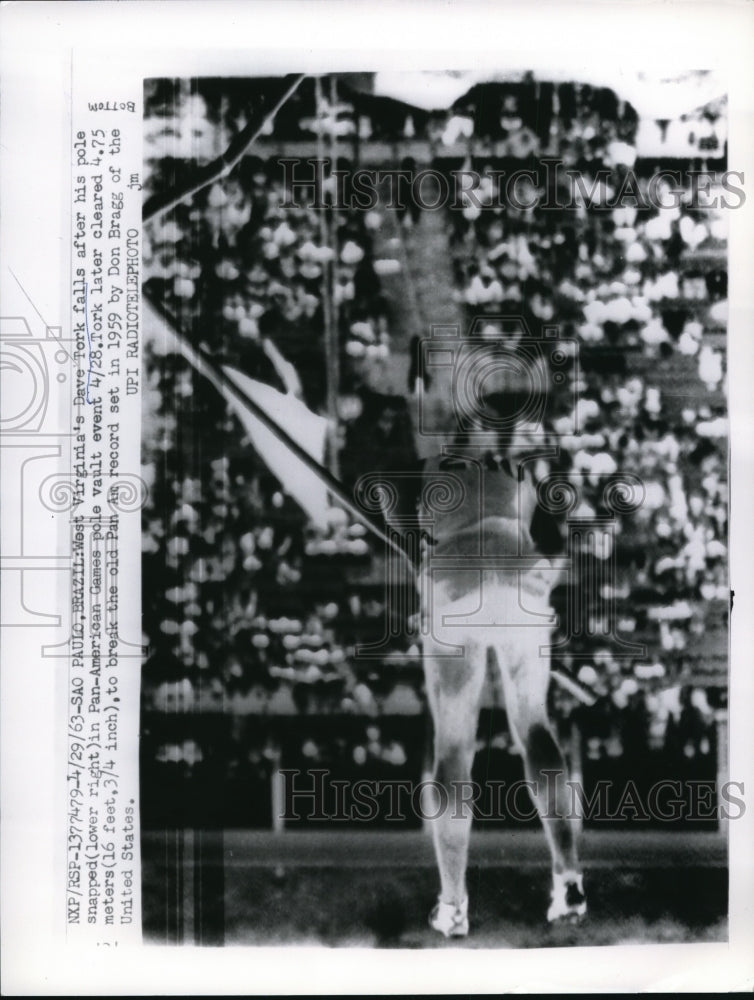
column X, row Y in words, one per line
column 492, row 506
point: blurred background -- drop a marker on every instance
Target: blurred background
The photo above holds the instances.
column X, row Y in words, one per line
column 253, row 614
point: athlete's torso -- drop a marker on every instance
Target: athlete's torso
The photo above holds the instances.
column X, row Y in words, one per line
column 488, row 512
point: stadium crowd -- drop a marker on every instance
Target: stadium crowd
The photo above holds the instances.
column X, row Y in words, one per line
column 248, row 610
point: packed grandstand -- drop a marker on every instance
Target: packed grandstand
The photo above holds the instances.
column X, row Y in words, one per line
column 254, row 616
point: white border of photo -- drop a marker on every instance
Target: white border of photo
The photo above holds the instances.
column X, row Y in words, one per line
column 126, row 42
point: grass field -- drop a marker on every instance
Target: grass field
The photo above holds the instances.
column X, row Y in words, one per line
column 376, row 890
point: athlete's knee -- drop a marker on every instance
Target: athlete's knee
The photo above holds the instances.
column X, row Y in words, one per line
column 453, row 762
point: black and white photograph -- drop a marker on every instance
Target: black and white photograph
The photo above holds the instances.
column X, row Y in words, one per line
column 435, row 561
column 375, row 428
